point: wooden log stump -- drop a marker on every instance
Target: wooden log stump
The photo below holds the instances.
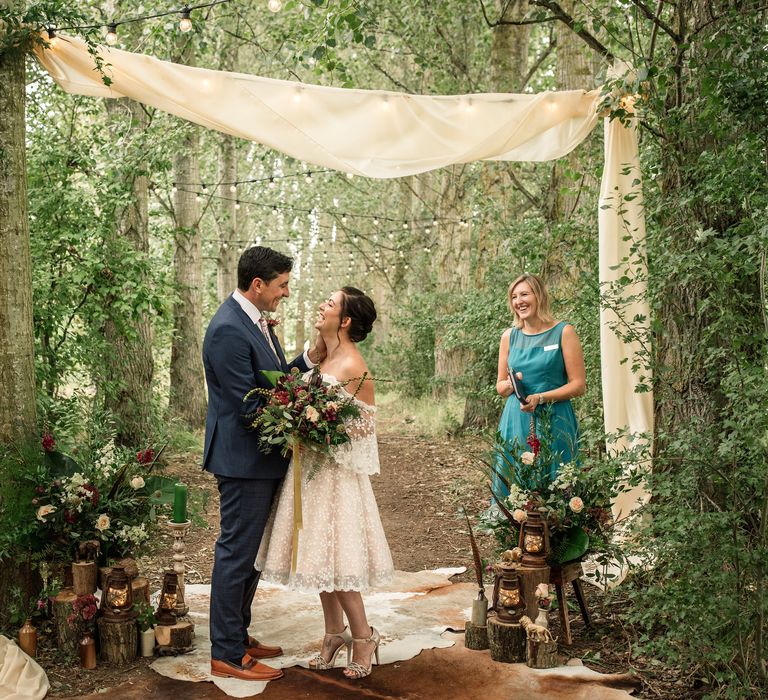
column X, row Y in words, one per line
column 62, row 608
column 177, row 637
column 529, row 580
column 541, row 654
column 140, row 587
column 506, row 641
column 84, row 577
column 119, row 641
column 475, row 636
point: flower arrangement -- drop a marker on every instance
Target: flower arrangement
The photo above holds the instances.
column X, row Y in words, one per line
column 273, row 322
column 310, row 413
column 109, row 494
column 83, row 616
column 575, row 503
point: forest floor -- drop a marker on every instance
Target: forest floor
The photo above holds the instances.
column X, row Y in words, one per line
column 425, row 481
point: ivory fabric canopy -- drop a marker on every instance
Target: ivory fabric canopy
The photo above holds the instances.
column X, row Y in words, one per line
column 382, row 134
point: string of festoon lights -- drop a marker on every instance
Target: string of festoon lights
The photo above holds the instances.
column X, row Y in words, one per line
column 184, row 14
column 428, row 222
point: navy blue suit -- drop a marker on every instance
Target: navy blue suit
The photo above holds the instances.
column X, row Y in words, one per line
column 234, row 350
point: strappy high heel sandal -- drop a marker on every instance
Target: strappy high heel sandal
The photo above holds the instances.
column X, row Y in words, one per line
column 355, row 670
column 318, row 663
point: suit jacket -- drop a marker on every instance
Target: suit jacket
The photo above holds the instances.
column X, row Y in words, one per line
column 234, row 350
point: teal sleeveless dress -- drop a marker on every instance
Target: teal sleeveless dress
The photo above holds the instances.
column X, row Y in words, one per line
column 540, row 358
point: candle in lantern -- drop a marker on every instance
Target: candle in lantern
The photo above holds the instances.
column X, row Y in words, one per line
column 179, row 503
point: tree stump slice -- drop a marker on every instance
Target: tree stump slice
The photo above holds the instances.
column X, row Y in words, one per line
column 506, row 641
column 178, row 636
column 475, row 636
column 529, row 580
column 119, row 641
column 542, row 654
column 140, row 587
column 84, row 577
column 62, row 608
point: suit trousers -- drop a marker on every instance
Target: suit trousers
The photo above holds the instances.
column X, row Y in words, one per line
column 244, row 510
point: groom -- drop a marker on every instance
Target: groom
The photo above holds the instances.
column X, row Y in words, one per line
column 239, row 343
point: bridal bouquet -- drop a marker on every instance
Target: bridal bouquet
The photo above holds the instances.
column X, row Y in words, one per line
column 302, row 413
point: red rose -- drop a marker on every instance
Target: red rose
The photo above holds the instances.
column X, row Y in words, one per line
column 70, row 517
column 145, row 456
column 49, row 444
column 272, row 322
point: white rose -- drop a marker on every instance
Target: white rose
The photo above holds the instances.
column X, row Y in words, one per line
column 137, row 483
column 312, row 414
column 102, row 522
column 527, row 457
column 576, row 504
column 520, row 515
column 42, row 511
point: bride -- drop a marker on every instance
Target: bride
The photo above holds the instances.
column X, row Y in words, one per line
column 342, row 547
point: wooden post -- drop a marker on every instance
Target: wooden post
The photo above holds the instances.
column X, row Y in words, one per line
column 62, row 608
column 84, row 577
column 542, row 654
column 506, row 641
column 475, row 636
column 140, row 587
column 119, row 641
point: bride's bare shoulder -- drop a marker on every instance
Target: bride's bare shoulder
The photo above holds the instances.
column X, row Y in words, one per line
column 352, row 371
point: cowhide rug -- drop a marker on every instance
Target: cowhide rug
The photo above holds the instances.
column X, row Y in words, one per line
column 414, row 613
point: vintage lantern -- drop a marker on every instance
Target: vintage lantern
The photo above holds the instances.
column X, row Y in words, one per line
column 117, row 598
column 170, row 599
column 534, row 541
column 508, row 595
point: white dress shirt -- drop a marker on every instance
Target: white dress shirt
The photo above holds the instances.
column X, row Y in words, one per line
column 255, row 315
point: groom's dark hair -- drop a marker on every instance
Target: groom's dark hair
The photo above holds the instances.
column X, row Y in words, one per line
column 261, row 262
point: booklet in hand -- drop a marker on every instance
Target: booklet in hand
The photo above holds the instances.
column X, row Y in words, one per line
column 517, row 386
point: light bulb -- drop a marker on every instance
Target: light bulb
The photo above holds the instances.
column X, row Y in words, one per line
column 205, row 188
column 237, row 205
column 350, row 176
column 405, row 225
column 175, row 189
column 185, row 23
column 111, row 37
column 198, row 198
column 233, row 188
column 344, row 219
column 274, row 5
column 375, row 222
column 308, row 178
column 272, row 183
column 274, row 210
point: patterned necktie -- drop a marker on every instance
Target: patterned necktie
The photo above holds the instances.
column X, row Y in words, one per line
column 265, row 330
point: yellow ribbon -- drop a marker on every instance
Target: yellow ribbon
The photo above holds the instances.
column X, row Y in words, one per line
column 297, row 518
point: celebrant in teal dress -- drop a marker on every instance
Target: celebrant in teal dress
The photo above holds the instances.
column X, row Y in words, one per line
column 546, row 358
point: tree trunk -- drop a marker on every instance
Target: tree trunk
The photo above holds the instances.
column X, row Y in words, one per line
column 129, row 397
column 509, row 58
column 187, row 395
column 226, row 266
column 17, row 366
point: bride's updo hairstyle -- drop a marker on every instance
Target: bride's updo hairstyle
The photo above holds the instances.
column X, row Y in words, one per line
column 361, row 311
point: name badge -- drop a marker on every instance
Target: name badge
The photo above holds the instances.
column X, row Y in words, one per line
column 550, row 347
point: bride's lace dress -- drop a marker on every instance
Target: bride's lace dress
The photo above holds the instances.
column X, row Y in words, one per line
column 342, row 545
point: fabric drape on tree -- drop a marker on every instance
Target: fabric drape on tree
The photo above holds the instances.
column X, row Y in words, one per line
column 384, row 134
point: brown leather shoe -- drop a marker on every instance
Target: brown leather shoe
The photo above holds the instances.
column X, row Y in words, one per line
column 251, row 670
column 257, row 650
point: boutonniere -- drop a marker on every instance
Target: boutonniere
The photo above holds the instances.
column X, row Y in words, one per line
column 273, row 322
